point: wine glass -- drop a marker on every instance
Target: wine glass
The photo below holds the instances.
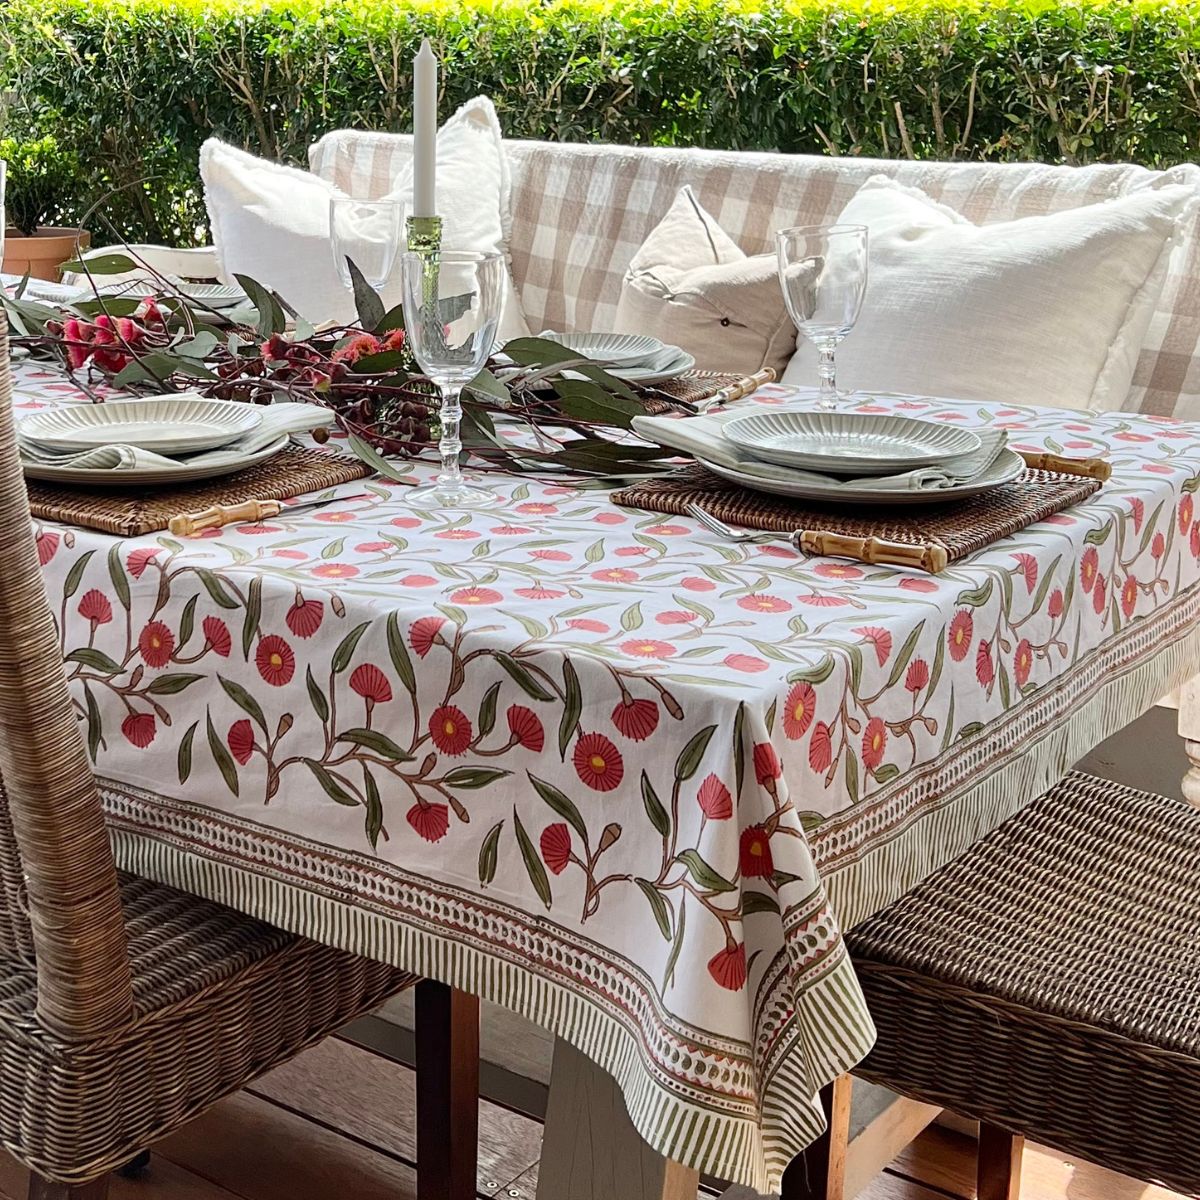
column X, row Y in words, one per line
column 367, row 231
column 823, row 273
column 451, row 314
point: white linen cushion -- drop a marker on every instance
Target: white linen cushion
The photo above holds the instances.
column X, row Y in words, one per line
column 271, row 222
column 1050, row 309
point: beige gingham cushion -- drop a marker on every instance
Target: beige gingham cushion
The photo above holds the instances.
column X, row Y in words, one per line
column 580, row 212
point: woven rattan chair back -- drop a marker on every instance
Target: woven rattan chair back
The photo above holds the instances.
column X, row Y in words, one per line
column 58, row 881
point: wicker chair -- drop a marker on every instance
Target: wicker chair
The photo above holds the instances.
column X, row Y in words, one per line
column 1047, row 984
column 126, row 1007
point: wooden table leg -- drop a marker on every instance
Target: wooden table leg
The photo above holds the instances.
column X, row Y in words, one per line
column 998, row 1173
column 1189, row 730
column 447, row 1042
column 590, row 1149
column 819, row 1173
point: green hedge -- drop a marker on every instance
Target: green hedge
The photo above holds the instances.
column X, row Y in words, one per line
column 132, row 87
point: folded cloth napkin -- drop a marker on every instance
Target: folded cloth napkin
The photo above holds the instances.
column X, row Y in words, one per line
column 703, row 437
column 277, row 420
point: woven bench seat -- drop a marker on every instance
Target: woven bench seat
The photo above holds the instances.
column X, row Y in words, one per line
column 1047, row 983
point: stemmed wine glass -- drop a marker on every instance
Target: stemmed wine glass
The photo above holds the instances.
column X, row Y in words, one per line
column 370, row 233
column 823, row 273
column 451, row 314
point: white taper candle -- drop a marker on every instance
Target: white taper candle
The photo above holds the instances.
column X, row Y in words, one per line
column 425, row 90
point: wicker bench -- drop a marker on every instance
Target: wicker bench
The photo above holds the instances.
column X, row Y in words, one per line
column 1047, row 984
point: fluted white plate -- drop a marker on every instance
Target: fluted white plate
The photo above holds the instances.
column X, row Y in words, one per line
column 852, row 444
column 626, row 349
column 164, row 424
column 1007, row 467
column 215, row 295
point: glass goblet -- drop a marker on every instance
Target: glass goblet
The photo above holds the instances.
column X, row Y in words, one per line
column 369, row 232
column 451, row 313
column 823, row 273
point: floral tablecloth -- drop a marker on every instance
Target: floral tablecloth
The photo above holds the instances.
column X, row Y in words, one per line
column 603, row 768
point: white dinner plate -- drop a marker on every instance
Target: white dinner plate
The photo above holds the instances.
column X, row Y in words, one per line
column 679, row 365
column 634, row 349
column 150, row 476
column 165, row 424
column 848, row 443
column 1007, row 467
column 215, row 295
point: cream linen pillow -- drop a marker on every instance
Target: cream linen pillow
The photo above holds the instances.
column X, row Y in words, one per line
column 271, row 222
column 1048, row 309
column 690, row 285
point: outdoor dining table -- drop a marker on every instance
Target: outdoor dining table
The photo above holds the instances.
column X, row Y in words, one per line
column 605, row 769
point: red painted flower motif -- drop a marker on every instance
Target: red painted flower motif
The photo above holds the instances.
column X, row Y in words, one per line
column 1186, row 507
column 305, row 616
column 911, row 583
column 550, row 555
column 609, row 518
column 47, row 544
column 798, row 710
column 418, row 581
column 216, row 636
column 1158, row 546
column 837, row 570
column 754, row 853
column 1129, row 596
column 675, row 616
column 1138, row 510
column 1194, row 540
column 155, row 644
column 636, row 719
column 422, row 633
column 917, row 675
column 476, row 595
column 728, row 967
column 819, row 601
column 556, row 847
column 714, row 799
column 534, row 508
column 1089, row 565
column 874, row 743
column 1022, row 662
column 747, row 663
column 880, row 639
column 647, row 648
column 820, row 747
column 697, row 583
column 759, row 602
column 537, row 592
column 241, row 741
column 429, row 820
column 275, row 661
column 95, row 607
column 1100, row 596
column 958, row 636
column 371, row 684
column 587, row 625
column 1028, row 567
column 336, row 571
column 985, row 670
column 767, row 767
column 631, row 551
column 139, row 729
column 615, row 575
column 598, row 762
column 450, row 729
column 526, row 728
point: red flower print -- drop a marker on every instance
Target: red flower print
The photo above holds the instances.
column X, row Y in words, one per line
column 1088, row 566
column 95, row 607
column 728, row 967
column 880, row 639
column 754, row 853
column 1186, row 506
column 429, row 820
column 1158, row 546
column 874, row 743
column 512, row 531
column 911, row 583
column 668, row 530
column 714, row 799
column 587, row 625
column 745, row 662
column 631, row 551
column 47, row 544
column 1194, row 540
column 1028, row 567
column 371, row 684
column 418, row 581
column 1100, row 596
column 216, row 636
column 1129, row 596
column 675, row 616
column 305, row 616
column 609, row 518
column 958, row 636
column 405, row 522
column 241, row 741
column 533, row 508
column 917, row 675
column 335, row 571
column 820, row 748
column 537, row 592
column 450, row 729
column 647, row 648
column 798, row 710
column 1022, row 662
column 139, row 729
column 1138, row 510
column 275, row 661
column 985, row 671
column 837, row 570
column 598, row 762
column 820, row 601
column 758, row 602
column 476, row 595
column 556, row 847
column 697, row 583
column 767, row 767
column 422, row 634
column 331, row 518
column 155, row 644
column 1055, row 606
column 615, row 575
column 526, row 728
column 550, row 555
column 636, row 719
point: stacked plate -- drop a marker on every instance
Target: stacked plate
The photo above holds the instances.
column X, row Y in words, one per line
column 633, row 357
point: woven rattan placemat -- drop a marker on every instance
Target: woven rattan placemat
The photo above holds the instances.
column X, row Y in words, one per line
column 291, row 472
column 959, row 527
column 692, row 388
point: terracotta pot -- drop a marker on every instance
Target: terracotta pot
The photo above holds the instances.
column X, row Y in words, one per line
column 42, row 254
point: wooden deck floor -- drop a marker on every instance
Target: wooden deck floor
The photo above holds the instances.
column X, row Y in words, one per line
column 338, row 1121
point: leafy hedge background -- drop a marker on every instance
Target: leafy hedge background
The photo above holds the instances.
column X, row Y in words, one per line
column 132, row 87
